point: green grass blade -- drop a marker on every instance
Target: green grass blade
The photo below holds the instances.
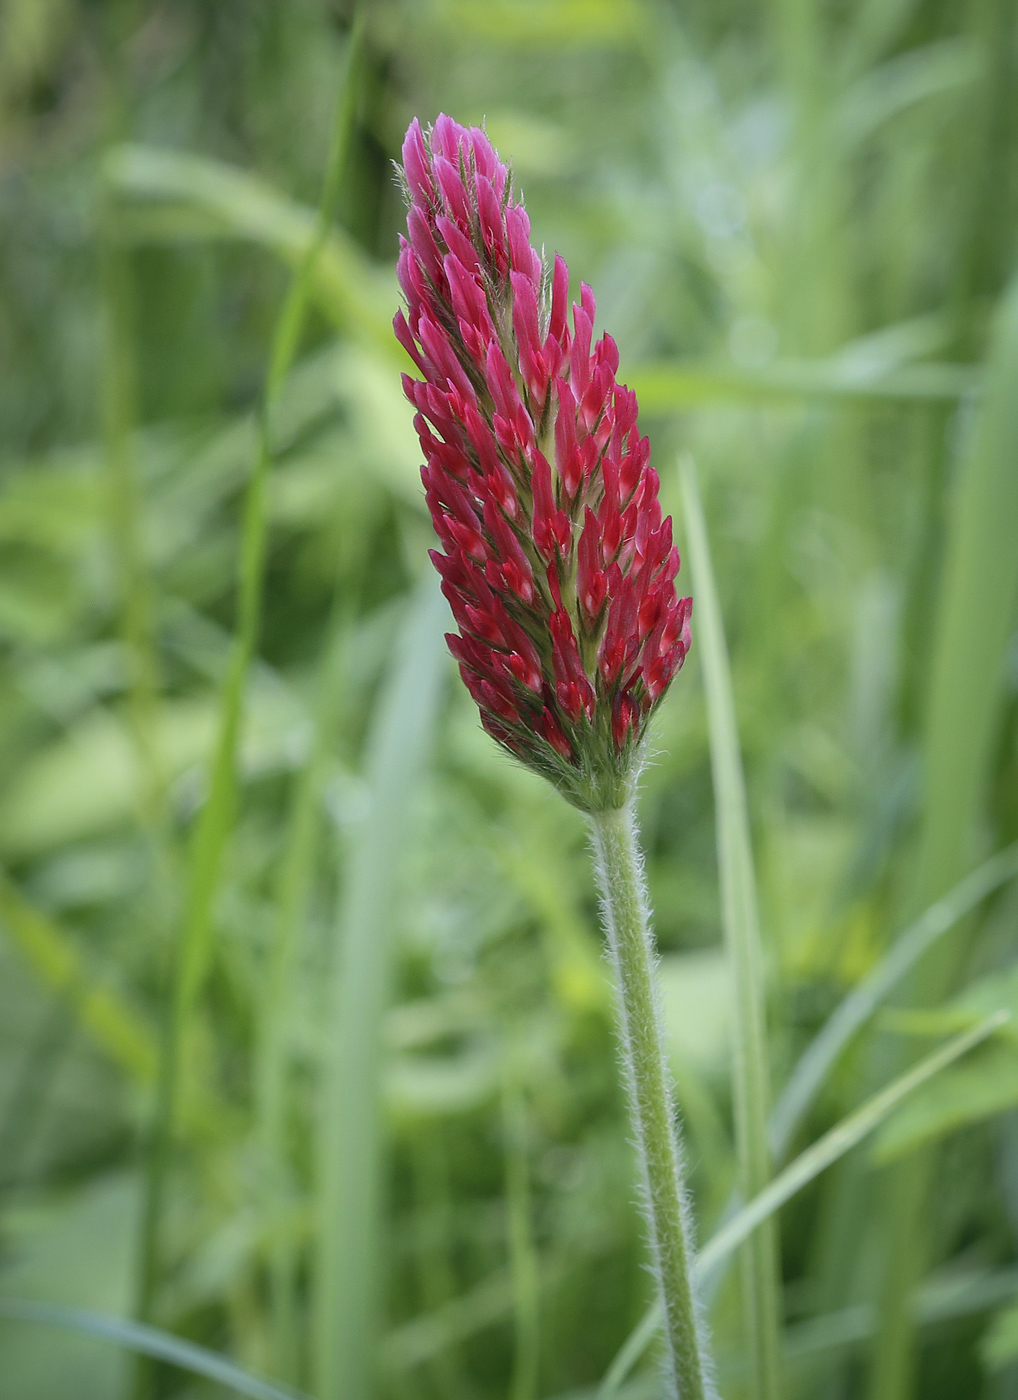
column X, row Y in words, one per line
column 974, row 624
column 799, row 1173
column 119, row 421
column 666, row 386
column 630, row 1352
column 217, row 816
column 969, row 639
column 938, row 1301
column 298, row 863
column 855, row 1010
column 125, row 514
column 350, row 1125
column 215, row 822
column 425, row 1338
column 296, row 878
column 523, row 1262
column 195, row 195
column 148, row 1341
column 741, row 924
column 839, row 1140
column 112, row 1024
column 287, row 335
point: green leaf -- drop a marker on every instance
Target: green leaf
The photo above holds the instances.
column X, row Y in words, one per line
column 916, row 76
column 964, row 1095
column 235, row 204
column 147, row 1341
column 948, row 1295
column 855, row 1010
column 350, row 1127
column 969, row 639
column 974, row 625
column 56, row 961
column 89, row 779
column 839, row 1140
column 1000, row 1345
column 428, row 1086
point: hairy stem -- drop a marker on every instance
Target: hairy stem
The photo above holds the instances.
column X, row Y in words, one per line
column 627, row 926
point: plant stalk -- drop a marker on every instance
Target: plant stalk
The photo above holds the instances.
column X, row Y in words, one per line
column 213, row 828
column 759, row 1260
column 627, row 927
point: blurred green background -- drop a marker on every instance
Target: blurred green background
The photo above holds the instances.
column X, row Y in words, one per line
column 369, row 946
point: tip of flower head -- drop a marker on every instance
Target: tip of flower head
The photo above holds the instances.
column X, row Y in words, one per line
column 485, row 159
column 447, row 136
column 555, row 561
column 415, row 164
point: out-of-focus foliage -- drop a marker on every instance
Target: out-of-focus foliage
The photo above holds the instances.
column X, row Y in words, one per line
column 799, row 220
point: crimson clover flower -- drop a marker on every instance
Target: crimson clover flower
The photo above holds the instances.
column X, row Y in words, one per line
column 557, row 565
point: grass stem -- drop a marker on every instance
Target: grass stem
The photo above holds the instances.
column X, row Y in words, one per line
column 216, row 820
column 759, row 1259
column 522, row 1253
column 347, row 1286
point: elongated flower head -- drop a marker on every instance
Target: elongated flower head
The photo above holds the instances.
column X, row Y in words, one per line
column 556, row 563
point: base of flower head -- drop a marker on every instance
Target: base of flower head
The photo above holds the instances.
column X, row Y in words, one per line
column 598, row 777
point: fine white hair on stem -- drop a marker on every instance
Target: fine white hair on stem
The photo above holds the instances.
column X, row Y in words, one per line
column 664, row 1199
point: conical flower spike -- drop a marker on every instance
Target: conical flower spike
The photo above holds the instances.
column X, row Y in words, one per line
column 556, row 563
column 560, row 574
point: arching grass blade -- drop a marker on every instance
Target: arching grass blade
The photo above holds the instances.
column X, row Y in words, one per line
column 817, row 1158
column 149, row 1341
column 855, row 1010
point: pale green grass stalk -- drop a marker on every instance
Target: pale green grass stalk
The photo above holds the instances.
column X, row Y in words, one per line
column 350, row 1146
column 665, row 386
column 296, row 877
column 522, row 1251
column 627, row 927
column 26, row 1103
column 761, row 1275
column 54, row 958
column 215, row 823
column 975, row 617
column 433, row 1198
column 119, row 403
column 134, row 593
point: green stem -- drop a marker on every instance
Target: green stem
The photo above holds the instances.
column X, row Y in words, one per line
column 120, row 414
column 272, row 1064
column 347, row 1285
column 214, row 826
column 522, row 1254
column 627, row 926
